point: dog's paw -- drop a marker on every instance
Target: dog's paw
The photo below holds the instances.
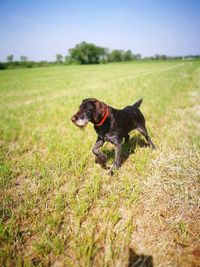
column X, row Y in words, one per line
column 113, row 168
column 153, row 146
column 101, row 160
column 111, row 172
column 102, row 163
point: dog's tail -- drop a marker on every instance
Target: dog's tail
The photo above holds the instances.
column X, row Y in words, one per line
column 138, row 103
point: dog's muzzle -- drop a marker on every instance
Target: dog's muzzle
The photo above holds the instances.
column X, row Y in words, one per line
column 79, row 122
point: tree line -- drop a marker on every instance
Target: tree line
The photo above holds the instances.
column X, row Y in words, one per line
column 87, row 53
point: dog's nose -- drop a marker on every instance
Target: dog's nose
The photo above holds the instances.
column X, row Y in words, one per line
column 73, row 118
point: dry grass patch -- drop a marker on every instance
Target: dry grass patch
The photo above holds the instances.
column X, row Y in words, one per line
column 167, row 218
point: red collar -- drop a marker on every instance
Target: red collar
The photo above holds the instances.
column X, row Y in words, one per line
column 104, row 118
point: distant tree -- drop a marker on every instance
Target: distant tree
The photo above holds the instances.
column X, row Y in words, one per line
column 127, row 55
column 23, row 59
column 59, row 58
column 68, row 60
column 159, row 57
column 116, row 56
column 121, row 55
column 104, row 57
column 10, row 58
column 137, row 56
column 86, row 53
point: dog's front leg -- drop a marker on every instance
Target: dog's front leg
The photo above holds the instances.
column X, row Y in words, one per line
column 101, row 157
column 117, row 160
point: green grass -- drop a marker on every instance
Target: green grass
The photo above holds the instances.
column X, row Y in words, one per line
column 58, row 207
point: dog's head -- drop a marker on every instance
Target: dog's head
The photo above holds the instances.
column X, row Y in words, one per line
column 90, row 110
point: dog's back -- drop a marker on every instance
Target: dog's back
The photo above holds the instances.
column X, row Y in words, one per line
column 134, row 115
column 127, row 119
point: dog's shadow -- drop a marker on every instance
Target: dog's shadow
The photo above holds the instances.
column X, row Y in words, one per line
column 139, row 260
column 128, row 148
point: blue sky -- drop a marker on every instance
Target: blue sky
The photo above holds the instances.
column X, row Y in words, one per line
column 40, row 29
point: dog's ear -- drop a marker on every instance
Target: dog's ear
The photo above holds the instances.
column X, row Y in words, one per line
column 99, row 110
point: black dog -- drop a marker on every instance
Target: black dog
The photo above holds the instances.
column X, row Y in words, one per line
column 111, row 125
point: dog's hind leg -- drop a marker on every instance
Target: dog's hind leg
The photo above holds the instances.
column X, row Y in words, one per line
column 142, row 129
column 101, row 157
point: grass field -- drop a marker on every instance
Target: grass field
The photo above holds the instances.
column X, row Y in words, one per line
column 59, row 208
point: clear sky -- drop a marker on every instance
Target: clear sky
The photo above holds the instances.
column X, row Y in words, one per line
column 39, row 29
